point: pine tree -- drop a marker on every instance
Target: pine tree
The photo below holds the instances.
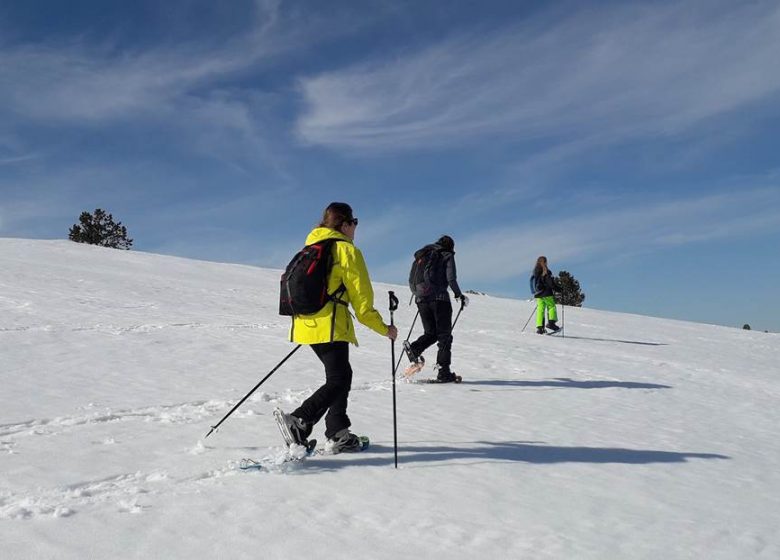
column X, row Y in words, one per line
column 99, row 228
column 570, row 290
column 746, row 327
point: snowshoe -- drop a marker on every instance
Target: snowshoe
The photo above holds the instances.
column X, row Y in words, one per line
column 412, row 369
column 416, row 363
column 452, row 378
column 293, row 454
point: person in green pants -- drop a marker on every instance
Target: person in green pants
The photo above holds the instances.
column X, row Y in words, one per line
column 545, row 285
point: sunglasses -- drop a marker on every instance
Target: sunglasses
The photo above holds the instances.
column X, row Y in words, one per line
column 353, row 221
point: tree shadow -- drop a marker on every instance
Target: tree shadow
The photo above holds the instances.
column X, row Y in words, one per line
column 616, row 340
column 509, row 452
column 567, row 383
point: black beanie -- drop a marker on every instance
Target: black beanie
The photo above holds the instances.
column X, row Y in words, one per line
column 446, row 243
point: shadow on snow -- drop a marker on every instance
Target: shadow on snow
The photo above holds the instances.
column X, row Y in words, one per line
column 567, row 383
column 510, row 451
column 616, row 340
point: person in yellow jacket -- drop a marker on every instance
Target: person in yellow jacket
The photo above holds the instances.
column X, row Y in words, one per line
column 329, row 332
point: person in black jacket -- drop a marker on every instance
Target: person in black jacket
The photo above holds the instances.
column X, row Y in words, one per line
column 544, row 286
column 432, row 273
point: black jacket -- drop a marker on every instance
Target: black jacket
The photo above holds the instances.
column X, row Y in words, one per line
column 452, row 276
column 545, row 285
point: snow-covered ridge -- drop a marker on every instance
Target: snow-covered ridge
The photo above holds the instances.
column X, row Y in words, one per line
column 632, row 437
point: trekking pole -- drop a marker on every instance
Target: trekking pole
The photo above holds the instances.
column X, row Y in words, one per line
column 529, row 319
column 455, row 322
column 393, row 307
column 398, row 363
column 563, row 321
column 270, row 373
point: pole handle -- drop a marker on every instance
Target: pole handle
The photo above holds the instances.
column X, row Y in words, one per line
column 393, row 304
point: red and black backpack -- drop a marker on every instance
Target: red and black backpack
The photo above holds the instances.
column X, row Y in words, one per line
column 304, row 284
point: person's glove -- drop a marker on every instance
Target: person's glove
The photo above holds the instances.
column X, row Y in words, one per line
column 464, row 300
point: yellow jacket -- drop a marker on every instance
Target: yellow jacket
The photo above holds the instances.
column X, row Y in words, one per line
column 348, row 269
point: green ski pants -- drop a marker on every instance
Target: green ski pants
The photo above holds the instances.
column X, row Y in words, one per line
column 547, row 303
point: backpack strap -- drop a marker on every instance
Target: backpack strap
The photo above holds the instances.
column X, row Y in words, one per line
column 335, row 297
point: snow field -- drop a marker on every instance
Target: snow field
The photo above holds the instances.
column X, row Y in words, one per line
column 632, row 437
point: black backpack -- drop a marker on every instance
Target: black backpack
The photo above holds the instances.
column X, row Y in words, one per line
column 427, row 276
column 304, row 285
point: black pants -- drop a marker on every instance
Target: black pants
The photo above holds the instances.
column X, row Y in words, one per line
column 436, row 317
column 331, row 397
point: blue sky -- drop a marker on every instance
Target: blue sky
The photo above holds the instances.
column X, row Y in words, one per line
column 635, row 144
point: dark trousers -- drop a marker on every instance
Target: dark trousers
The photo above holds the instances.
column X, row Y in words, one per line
column 436, row 317
column 331, row 397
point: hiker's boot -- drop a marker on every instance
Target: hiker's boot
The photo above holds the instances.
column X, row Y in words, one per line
column 299, row 430
column 344, row 441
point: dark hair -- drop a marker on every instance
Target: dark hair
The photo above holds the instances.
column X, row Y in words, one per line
column 446, row 243
column 336, row 214
column 539, row 268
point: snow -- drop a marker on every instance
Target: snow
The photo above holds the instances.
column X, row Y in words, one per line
column 632, row 437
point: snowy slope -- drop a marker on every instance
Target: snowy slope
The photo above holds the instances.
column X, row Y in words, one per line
column 632, row 437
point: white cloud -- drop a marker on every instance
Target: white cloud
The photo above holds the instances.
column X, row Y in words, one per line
column 84, row 83
column 196, row 91
column 78, row 81
column 630, row 229
column 612, row 73
column 496, row 254
column 9, row 160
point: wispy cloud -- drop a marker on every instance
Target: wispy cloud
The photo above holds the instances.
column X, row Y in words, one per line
column 606, row 74
column 9, row 160
column 494, row 255
column 627, row 230
column 80, row 81
column 203, row 91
